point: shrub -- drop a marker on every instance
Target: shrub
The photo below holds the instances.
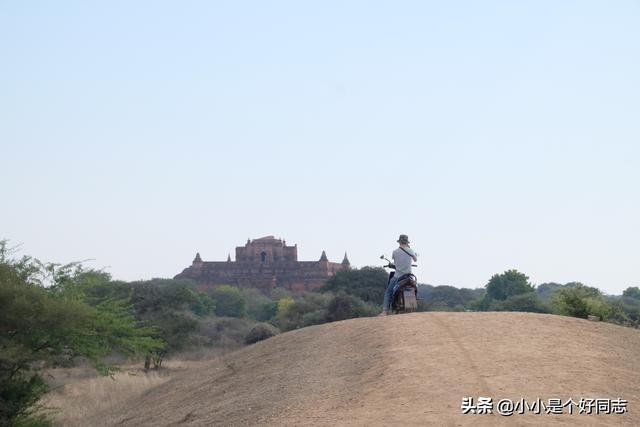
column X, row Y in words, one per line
column 283, row 308
column 259, row 332
column 316, row 317
column 223, row 332
column 446, row 298
column 278, row 293
column 529, row 302
column 259, row 307
column 307, row 309
column 344, row 306
column 546, row 290
column 631, row 307
column 578, row 300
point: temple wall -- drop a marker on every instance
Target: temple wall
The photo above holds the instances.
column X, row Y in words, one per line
column 263, row 263
column 306, row 275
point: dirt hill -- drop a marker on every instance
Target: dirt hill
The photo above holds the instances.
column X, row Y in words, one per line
column 404, row 370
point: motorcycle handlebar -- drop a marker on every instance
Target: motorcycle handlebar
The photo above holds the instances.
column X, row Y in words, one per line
column 390, row 265
column 394, row 266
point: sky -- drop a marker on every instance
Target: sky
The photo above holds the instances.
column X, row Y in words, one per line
column 496, row 134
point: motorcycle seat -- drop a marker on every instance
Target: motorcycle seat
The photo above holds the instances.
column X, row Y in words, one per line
column 406, row 277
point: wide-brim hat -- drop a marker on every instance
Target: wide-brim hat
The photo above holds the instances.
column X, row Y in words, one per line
column 403, row 238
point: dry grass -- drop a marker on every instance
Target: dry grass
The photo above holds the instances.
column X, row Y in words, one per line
column 399, row 370
column 80, row 395
column 412, row 369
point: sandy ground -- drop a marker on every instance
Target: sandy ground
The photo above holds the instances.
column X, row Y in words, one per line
column 403, row 370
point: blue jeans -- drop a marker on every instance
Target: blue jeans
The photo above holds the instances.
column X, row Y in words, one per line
column 388, row 294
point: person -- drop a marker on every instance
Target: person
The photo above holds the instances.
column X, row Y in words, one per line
column 402, row 258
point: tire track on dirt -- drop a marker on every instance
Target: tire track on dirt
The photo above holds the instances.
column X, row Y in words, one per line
column 464, row 353
column 352, row 373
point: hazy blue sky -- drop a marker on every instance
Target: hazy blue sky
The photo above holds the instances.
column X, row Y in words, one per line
column 497, row 134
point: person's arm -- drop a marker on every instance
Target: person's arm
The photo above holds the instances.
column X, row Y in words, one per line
column 414, row 255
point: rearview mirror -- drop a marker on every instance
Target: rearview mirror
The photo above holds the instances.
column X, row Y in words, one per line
column 381, row 256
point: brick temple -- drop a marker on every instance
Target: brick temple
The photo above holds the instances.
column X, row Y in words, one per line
column 264, row 263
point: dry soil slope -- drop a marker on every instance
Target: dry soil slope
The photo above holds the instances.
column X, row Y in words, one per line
column 410, row 369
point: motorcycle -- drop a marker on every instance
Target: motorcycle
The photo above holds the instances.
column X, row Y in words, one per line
column 405, row 292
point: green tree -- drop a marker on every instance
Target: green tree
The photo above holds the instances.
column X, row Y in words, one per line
column 149, row 296
column 278, row 293
column 307, row 309
column 446, row 298
column 259, row 307
column 632, row 292
column 631, row 308
column 166, row 308
column 505, row 285
column 201, row 304
column 528, row 302
column 34, row 327
column 508, row 284
column 55, row 324
column 546, row 290
column 229, row 301
column 367, row 283
column 283, row 307
column 174, row 329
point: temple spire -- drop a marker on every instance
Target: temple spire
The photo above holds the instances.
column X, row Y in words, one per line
column 323, row 257
column 197, row 259
column 228, row 257
column 345, row 261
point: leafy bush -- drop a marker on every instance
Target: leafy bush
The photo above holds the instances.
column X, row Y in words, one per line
column 578, row 300
column 259, row 332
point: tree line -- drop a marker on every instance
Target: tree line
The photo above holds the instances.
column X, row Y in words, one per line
column 56, row 315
